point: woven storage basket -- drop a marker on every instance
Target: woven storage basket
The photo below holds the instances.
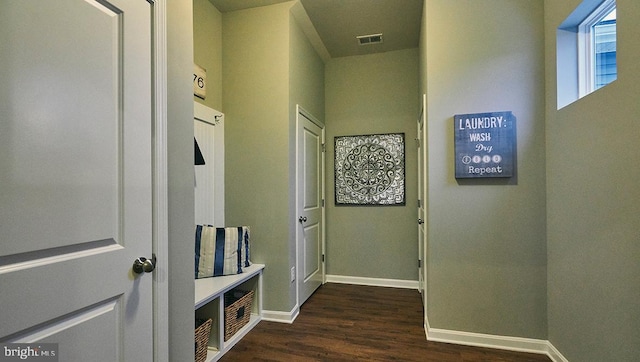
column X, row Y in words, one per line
column 202, row 339
column 237, row 311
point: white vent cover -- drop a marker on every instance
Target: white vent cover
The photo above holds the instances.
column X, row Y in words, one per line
column 369, row 39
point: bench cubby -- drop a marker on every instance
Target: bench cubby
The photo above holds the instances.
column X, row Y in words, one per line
column 209, row 303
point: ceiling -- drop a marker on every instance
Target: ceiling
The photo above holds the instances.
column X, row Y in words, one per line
column 338, row 22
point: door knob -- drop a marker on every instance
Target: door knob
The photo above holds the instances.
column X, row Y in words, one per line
column 420, row 221
column 144, row 265
column 302, row 219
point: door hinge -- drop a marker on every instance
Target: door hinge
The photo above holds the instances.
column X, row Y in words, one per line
column 418, row 142
column 419, row 263
column 323, row 258
column 322, row 202
column 324, row 147
column 419, row 203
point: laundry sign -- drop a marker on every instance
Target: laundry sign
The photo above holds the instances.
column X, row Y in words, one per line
column 485, row 144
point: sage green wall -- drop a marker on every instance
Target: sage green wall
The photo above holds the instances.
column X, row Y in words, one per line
column 486, row 238
column 179, row 269
column 207, row 50
column 372, row 94
column 255, row 85
column 593, row 210
column 306, row 80
column 268, row 68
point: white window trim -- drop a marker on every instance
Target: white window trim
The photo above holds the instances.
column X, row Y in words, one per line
column 586, row 47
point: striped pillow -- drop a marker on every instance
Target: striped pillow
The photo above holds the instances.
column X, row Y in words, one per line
column 221, row 251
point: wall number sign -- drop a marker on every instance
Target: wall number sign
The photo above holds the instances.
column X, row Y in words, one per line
column 199, row 81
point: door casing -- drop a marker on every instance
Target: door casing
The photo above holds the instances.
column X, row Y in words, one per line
column 300, row 274
column 422, row 203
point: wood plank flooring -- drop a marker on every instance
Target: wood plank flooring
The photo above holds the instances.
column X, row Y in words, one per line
column 359, row 323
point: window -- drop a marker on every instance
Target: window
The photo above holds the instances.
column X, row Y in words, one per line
column 597, row 38
column 586, row 50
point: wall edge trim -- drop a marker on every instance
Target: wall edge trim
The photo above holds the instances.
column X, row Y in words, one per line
column 517, row 344
column 554, row 354
column 281, row 317
column 375, row 282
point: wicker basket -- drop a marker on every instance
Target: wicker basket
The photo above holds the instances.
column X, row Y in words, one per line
column 202, row 339
column 237, row 311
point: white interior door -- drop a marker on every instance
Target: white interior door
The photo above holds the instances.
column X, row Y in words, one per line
column 310, row 199
column 422, row 199
column 76, row 176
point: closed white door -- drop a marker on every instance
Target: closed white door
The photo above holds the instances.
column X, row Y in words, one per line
column 76, row 177
column 422, row 199
column 310, row 200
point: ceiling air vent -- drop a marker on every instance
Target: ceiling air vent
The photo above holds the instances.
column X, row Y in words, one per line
column 369, row 39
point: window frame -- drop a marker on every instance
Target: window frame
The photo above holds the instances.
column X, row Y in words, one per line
column 587, row 47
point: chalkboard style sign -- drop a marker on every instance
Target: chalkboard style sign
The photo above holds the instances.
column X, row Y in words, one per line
column 484, row 144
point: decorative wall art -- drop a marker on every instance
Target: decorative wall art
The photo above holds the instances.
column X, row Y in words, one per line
column 369, row 170
column 485, row 144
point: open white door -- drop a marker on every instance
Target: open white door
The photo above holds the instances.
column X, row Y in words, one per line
column 76, row 195
column 310, row 205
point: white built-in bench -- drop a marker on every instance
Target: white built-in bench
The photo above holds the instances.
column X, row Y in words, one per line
column 209, row 303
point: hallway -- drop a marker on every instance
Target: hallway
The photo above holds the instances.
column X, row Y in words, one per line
column 343, row 322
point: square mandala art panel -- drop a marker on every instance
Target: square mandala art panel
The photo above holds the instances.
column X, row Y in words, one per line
column 369, row 170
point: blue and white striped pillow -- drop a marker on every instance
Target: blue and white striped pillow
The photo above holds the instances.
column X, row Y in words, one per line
column 221, row 251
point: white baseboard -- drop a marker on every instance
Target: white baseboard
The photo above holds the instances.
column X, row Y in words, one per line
column 281, row 317
column 555, row 355
column 488, row 340
column 517, row 344
column 375, row 282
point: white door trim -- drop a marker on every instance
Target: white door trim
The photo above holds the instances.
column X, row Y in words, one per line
column 424, row 199
column 160, row 184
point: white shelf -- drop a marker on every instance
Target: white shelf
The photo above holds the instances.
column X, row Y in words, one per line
column 213, row 355
column 208, row 289
column 209, row 300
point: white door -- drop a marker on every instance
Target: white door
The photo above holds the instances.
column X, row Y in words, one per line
column 310, row 200
column 422, row 199
column 76, row 177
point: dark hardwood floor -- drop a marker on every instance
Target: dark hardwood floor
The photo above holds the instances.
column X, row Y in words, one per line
column 359, row 323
